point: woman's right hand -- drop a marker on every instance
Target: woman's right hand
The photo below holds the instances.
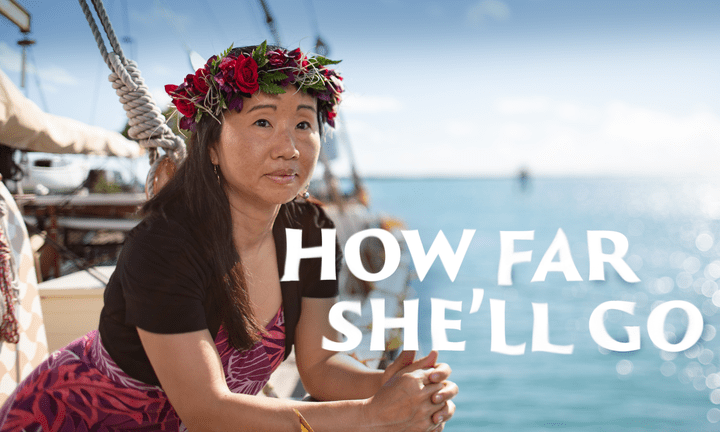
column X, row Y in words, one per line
column 405, row 401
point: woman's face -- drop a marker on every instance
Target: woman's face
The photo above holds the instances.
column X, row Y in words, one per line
column 268, row 151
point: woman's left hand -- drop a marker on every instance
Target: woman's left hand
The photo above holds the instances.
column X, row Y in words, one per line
column 443, row 397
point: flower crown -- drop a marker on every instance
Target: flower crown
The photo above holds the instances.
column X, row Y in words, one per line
column 225, row 79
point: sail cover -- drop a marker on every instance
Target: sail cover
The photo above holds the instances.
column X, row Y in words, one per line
column 24, row 126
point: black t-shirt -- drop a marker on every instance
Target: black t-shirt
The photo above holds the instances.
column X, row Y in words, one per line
column 161, row 284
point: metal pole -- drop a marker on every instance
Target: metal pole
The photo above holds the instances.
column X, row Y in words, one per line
column 24, row 43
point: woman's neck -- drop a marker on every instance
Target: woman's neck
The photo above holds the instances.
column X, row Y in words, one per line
column 252, row 226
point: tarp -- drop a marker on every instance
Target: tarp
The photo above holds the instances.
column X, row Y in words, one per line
column 24, row 126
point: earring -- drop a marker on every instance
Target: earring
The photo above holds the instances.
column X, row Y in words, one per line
column 216, row 168
column 304, row 195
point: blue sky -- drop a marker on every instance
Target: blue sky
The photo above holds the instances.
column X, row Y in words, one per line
column 477, row 87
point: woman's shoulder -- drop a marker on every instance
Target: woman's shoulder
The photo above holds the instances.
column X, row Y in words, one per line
column 162, row 238
column 301, row 213
column 159, row 228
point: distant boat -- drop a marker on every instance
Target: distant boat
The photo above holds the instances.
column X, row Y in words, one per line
column 54, row 174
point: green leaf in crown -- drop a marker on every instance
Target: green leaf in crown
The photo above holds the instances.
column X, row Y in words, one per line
column 271, row 88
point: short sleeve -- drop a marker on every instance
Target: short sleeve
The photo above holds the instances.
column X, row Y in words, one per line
column 163, row 279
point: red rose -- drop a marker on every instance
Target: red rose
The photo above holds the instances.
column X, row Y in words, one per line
column 184, row 103
column 246, row 74
column 170, row 89
column 200, row 81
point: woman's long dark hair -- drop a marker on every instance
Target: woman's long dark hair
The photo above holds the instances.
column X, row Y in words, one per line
column 196, row 191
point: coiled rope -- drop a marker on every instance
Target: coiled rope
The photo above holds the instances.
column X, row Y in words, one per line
column 147, row 124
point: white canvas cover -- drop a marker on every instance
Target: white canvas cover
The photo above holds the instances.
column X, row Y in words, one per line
column 24, row 126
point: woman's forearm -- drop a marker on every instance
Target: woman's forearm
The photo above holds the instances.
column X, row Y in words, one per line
column 402, row 404
column 238, row 412
column 340, row 377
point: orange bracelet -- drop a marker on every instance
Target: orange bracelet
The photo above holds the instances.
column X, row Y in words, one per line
column 304, row 426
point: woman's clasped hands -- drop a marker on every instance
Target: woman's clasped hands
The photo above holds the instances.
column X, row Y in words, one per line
column 415, row 396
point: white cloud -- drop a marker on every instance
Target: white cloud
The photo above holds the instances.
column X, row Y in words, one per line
column 493, row 9
column 353, row 102
column 11, row 60
column 536, row 105
column 645, row 126
column 57, row 75
column 515, row 132
column 162, row 70
column 573, row 112
column 618, row 138
column 161, row 97
column 523, row 105
column 181, row 23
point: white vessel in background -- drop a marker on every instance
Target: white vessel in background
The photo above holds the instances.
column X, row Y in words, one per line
column 54, row 174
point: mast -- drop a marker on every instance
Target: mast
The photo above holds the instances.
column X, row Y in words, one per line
column 21, row 18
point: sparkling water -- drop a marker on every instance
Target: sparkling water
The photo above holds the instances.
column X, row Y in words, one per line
column 674, row 244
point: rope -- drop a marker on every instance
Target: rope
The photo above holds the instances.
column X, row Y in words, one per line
column 147, row 124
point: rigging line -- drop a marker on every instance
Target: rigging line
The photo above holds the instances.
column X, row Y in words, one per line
column 254, row 13
column 109, row 32
column 270, row 23
column 216, row 21
column 96, row 32
column 128, row 38
column 357, row 180
column 165, row 12
column 37, row 79
column 98, row 79
column 313, row 17
column 321, row 47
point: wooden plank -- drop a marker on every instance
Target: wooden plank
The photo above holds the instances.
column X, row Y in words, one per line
column 90, row 224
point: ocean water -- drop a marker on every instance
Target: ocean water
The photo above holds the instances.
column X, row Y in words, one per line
column 672, row 228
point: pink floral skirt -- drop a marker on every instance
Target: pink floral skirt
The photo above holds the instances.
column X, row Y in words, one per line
column 80, row 388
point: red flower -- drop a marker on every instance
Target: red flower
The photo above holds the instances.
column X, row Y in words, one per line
column 276, row 58
column 246, row 74
column 200, row 81
column 183, row 102
column 295, row 54
column 331, row 118
column 170, row 89
column 188, row 81
column 227, row 63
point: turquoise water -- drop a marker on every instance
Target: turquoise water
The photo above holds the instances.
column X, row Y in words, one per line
column 674, row 242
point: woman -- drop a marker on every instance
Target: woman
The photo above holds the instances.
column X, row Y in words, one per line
column 195, row 317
